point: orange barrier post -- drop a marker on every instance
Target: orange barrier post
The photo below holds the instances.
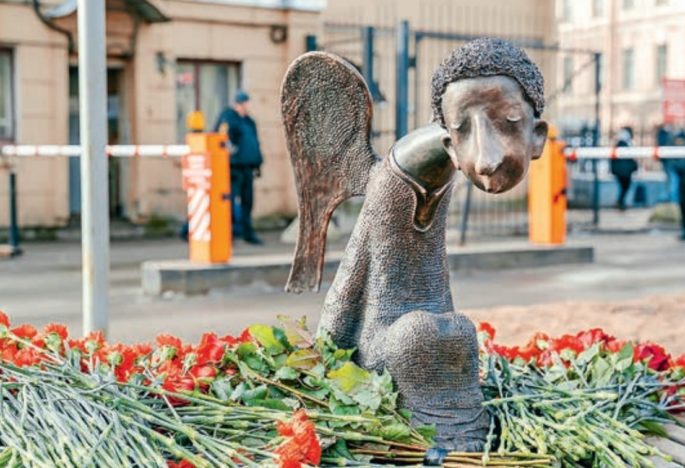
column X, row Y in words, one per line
column 206, row 179
column 547, row 195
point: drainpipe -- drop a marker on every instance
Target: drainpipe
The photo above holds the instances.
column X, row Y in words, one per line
column 53, row 26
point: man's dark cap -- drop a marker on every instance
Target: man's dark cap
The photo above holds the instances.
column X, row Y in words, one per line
column 241, row 96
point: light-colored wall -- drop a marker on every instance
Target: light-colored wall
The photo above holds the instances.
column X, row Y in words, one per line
column 199, row 31
column 642, row 28
column 242, row 36
column 40, row 84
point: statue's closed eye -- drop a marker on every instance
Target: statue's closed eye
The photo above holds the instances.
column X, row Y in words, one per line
column 461, row 125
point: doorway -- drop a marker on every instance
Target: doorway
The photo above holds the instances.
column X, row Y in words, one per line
column 117, row 133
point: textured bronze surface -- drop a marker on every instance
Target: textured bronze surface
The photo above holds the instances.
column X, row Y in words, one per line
column 326, row 110
column 391, row 298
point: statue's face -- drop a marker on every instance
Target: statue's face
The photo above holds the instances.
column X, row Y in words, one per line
column 493, row 133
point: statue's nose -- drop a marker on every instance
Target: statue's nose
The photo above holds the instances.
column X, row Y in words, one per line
column 488, row 150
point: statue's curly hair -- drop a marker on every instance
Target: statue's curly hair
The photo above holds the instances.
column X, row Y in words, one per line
column 488, row 57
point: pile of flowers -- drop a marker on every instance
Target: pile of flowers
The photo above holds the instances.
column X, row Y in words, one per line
column 281, row 396
column 588, row 399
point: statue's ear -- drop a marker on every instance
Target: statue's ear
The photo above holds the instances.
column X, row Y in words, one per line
column 449, row 148
column 539, row 138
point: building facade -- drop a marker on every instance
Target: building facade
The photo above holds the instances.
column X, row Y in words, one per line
column 640, row 42
column 164, row 58
column 167, row 57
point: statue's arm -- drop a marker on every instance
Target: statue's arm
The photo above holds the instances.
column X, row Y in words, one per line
column 422, row 156
column 422, row 161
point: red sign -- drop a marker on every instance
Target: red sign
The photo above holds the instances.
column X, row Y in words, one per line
column 673, row 103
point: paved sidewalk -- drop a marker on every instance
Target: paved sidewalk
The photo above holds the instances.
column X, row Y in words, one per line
column 44, row 285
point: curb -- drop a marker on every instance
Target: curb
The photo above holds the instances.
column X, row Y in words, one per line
column 183, row 277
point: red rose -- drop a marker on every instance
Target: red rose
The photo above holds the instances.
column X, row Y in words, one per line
column 656, row 356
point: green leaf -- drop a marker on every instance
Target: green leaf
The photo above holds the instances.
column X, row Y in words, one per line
column 427, row 431
column 303, row 359
column 257, row 393
column 653, row 428
column 222, row 388
column 264, row 334
column 588, row 355
column 602, row 372
column 271, row 404
column 349, row 377
column 238, row 392
column 286, row 373
column 624, row 359
column 395, row 432
column 296, row 332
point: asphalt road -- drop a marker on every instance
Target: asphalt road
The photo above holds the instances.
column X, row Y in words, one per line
column 44, row 286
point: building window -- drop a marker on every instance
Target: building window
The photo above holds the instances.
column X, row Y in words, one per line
column 6, row 96
column 628, row 4
column 661, row 65
column 566, row 12
column 661, row 2
column 628, row 74
column 568, row 75
column 597, row 8
column 205, row 86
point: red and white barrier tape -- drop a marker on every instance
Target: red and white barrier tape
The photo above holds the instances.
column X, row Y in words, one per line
column 631, row 152
column 119, row 151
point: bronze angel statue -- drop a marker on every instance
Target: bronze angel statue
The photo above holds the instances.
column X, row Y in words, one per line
column 391, row 298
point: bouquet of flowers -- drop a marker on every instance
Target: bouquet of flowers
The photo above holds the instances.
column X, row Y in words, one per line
column 280, row 396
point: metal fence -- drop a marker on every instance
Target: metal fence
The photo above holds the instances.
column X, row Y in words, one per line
column 398, row 61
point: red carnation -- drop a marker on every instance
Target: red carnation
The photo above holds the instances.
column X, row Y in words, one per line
column 4, row 319
column 301, row 444
column 211, row 349
column 181, row 464
column 487, row 328
column 565, row 342
column 679, row 361
column 57, row 328
column 25, row 331
column 595, row 335
column 169, row 340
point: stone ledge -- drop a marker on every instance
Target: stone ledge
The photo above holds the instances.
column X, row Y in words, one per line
column 185, row 277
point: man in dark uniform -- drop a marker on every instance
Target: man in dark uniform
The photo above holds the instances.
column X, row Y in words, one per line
column 246, row 160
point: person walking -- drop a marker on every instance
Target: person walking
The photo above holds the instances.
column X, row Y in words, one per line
column 623, row 168
column 246, row 162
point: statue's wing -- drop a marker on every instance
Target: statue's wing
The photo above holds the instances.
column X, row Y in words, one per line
column 326, row 110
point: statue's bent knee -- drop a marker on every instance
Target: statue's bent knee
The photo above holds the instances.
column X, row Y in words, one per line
column 433, row 359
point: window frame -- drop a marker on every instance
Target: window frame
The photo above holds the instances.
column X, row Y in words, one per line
column 598, row 8
column 628, row 85
column 197, row 92
column 11, row 138
column 659, row 74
